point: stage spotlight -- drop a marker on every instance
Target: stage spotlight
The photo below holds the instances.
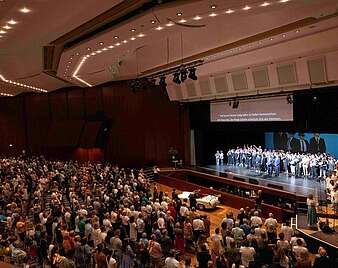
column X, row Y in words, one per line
column 183, row 74
column 176, row 79
column 192, row 73
column 235, row 104
column 289, row 99
column 162, row 81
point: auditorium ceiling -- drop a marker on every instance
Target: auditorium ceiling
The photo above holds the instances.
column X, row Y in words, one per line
column 87, row 43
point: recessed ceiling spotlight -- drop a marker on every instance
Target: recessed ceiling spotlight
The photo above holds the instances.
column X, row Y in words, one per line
column 77, row 53
column 98, row 51
column 297, row 31
column 159, row 28
column 116, row 37
column 246, row 7
column 141, row 35
column 284, row 35
column 25, row 10
column 153, row 21
column 104, row 49
column 197, row 18
column 179, row 14
column 0, row 36
column 12, row 22
column 93, row 54
column 7, row 27
column 283, row 1
column 2, row 32
column 182, row 21
column 169, row 24
column 265, row 4
column 213, row 14
column 101, row 43
column 69, row 62
column 88, row 48
column 271, row 39
column 229, row 11
column 133, row 30
column 213, row 6
column 132, row 38
column 117, row 44
column 111, row 47
column 124, row 41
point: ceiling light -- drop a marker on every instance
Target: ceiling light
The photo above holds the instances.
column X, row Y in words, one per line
column 246, row 7
column 297, row 31
column 183, row 73
column 133, row 30
column 213, row 14
column 176, row 78
column 153, row 21
column 7, row 27
column 98, row 51
column 283, row 1
column 192, row 73
column 159, row 28
column 284, row 35
column 124, row 41
column 117, row 44
column 12, row 22
column 197, row 18
column 141, row 35
column 0, row 36
column 77, row 53
column 93, row 54
column 213, row 6
column 179, row 14
column 162, row 81
column 111, row 47
column 182, row 21
column 271, row 39
column 25, row 10
column 2, row 32
column 88, row 48
column 169, row 24
column 265, row 4
column 116, row 37
column 132, row 38
column 101, row 43
column 105, row 49
column 229, row 11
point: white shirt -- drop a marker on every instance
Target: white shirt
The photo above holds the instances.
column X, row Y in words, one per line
column 184, row 211
column 198, row 225
column 247, row 255
column 256, row 221
column 288, row 232
column 171, row 262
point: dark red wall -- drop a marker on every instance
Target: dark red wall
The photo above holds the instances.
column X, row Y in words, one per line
column 144, row 124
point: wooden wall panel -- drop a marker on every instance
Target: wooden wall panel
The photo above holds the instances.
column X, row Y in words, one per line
column 58, row 105
column 76, row 108
column 93, row 100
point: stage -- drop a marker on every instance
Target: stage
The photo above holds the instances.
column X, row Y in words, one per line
column 297, row 186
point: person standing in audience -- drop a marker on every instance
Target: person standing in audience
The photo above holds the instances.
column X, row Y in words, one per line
column 287, row 231
column 247, row 254
column 312, row 219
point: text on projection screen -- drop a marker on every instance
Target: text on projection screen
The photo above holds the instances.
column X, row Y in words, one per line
column 254, row 110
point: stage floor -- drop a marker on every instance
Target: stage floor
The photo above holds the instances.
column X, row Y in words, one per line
column 298, row 186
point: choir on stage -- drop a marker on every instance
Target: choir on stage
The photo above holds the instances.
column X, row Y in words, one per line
column 316, row 166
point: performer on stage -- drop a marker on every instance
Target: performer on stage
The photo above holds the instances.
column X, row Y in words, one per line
column 311, row 211
column 217, row 157
column 221, row 157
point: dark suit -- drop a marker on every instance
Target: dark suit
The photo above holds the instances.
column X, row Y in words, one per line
column 293, row 143
column 306, row 149
column 279, row 141
column 317, row 147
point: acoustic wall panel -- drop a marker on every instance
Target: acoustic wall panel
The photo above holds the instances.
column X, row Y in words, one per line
column 205, row 87
column 261, row 77
column 191, row 90
column 287, row 73
column 221, row 84
column 317, row 70
column 239, row 81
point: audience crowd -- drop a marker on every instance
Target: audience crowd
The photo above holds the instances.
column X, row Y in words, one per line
column 66, row 214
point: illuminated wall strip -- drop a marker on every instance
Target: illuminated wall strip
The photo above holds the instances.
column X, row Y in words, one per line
column 78, row 69
column 6, row 94
column 21, row 85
